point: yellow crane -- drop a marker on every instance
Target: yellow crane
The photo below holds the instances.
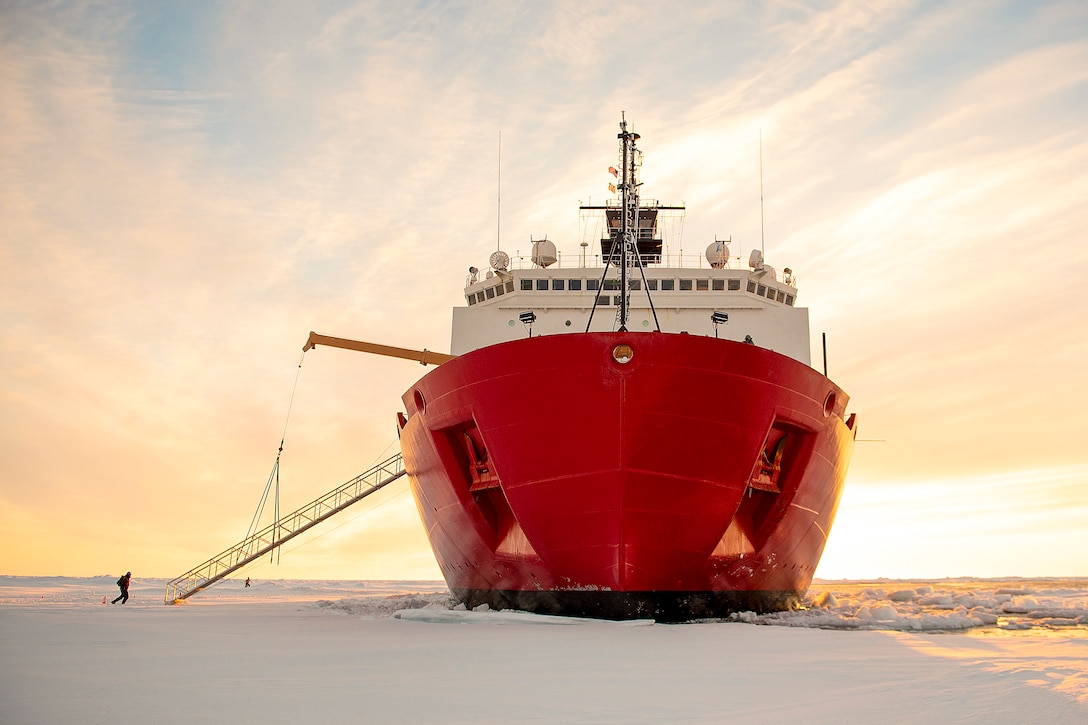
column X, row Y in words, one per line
column 426, row 357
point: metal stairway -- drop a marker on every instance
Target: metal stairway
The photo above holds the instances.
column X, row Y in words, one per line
column 288, row 527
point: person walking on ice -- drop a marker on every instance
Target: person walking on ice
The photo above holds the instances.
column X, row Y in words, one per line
column 123, row 584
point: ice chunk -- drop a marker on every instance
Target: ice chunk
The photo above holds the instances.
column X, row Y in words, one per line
column 885, row 613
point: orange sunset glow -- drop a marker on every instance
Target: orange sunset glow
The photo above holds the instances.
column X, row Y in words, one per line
column 189, row 190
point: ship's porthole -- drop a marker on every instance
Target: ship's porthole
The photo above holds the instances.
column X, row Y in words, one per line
column 510, row 323
column 829, row 403
column 421, row 404
column 645, row 323
column 622, row 354
column 568, row 323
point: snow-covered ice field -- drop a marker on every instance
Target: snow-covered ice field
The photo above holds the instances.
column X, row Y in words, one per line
column 950, row 650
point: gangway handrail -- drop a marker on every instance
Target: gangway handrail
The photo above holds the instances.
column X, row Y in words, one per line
column 286, row 528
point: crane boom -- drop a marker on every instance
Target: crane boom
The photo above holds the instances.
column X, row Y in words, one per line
column 426, row 357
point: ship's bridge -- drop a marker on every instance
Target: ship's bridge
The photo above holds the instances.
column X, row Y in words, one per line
column 754, row 302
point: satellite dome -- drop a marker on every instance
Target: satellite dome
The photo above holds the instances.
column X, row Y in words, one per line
column 544, row 253
column 717, row 254
column 499, row 260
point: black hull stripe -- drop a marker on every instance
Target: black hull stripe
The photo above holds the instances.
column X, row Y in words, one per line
column 660, row 606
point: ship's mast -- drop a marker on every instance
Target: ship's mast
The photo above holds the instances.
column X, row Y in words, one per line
column 623, row 224
column 629, row 218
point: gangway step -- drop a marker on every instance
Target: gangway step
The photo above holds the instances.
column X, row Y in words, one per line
column 286, row 528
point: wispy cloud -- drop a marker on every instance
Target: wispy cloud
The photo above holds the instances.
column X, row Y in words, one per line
column 187, row 193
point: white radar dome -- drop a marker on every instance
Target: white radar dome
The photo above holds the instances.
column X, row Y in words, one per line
column 717, row 254
column 499, row 260
column 544, row 253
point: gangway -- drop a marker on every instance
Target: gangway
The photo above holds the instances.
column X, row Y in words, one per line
column 286, row 528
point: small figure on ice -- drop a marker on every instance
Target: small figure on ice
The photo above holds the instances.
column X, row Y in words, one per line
column 247, row 581
column 123, row 584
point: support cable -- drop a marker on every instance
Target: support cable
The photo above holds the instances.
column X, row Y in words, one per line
column 600, row 286
column 274, row 475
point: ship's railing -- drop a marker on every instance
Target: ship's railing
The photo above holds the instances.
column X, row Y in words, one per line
column 680, row 260
column 277, row 533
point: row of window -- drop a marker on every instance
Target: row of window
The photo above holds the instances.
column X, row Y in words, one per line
column 770, row 293
column 592, row 285
column 491, row 292
column 575, row 285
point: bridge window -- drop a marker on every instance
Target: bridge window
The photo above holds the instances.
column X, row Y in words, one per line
column 762, row 290
column 611, row 284
column 490, row 293
column 635, row 284
column 574, row 285
column 593, row 284
column 702, row 284
column 480, row 296
column 789, row 300
column 734, row 284
column 472, row 299
column 719, row 284
column 685, row 285
column 542, row 285
column 751, row 286
column 509, row 285
column 557, row 285
column 526, row 284
column 651, row 284
column 668, row 284
column 499, row 290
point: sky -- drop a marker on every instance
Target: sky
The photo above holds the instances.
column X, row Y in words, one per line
column 187, row 189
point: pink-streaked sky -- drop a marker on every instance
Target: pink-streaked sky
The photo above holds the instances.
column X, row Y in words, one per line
column 187, row 189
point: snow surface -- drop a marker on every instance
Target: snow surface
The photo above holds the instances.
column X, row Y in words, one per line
column 955, row 650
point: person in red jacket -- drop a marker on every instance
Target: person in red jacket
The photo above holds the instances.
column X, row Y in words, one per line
column 123, row 584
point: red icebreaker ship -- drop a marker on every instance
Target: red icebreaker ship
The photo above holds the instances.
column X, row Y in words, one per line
column 627, row 435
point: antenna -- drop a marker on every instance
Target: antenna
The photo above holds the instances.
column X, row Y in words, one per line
column 498, row 199
column 762, row 250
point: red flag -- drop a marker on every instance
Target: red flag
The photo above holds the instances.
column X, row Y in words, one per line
column 612, row 170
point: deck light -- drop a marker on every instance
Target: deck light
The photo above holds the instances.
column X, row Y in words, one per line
column 719, row 318
column 527, row 319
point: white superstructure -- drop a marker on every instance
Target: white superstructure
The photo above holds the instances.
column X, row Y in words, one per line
column 759, row 303
column 633, row 285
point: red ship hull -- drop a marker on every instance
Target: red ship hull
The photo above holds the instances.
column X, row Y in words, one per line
column 699, row 477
